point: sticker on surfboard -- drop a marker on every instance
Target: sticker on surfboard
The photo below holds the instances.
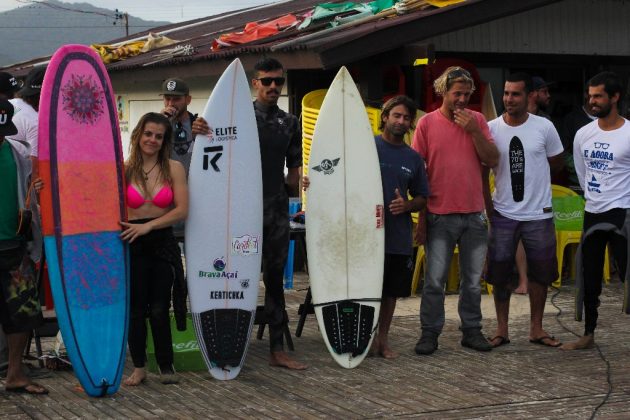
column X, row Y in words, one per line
column 327, row 166
column 380, row 216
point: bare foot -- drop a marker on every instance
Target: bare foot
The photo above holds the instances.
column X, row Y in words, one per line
column 138, row 376
column 584, row 342
column 521, row 290
column 374, row 348
column 282, row 359
column 388, row 353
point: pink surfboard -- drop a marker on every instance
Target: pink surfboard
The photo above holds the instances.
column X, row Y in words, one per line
column 81, row 162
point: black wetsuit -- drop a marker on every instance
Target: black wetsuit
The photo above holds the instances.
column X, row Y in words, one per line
column 280, row 143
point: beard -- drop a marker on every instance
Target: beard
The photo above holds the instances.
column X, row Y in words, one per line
column 602, row 111
column 396, row 130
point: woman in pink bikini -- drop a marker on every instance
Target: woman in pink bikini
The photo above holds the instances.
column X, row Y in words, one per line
column 157, row 198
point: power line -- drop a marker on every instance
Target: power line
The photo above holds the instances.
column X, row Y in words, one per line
column 117, row 16
column 71, row 27
column 69, row 9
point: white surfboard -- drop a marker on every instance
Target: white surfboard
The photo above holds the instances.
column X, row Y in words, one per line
column 224, row 225
column 345, row 224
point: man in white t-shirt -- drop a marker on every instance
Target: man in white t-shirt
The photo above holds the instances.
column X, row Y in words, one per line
column 26, row 107
column 529, row 146
column 601, row 152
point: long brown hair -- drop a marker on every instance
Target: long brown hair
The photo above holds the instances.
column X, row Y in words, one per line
column 133, row 166
column 406, row 101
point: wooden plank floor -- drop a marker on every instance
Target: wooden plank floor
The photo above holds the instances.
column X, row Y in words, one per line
column 520, row 380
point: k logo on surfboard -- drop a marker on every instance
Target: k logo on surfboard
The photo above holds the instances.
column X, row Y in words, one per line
column 327, row 166
column 214, row 149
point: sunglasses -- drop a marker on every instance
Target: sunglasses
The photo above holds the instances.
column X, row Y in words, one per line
column 457, row 73
column 181, row 144
column 266, row 81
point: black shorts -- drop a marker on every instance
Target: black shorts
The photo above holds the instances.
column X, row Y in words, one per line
column 397, row 275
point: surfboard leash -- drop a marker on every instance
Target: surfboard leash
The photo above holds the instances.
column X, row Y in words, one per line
column 104, row 387
column 599, row 350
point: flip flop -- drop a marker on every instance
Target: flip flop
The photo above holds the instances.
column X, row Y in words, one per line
column 32, row 388
column 502, row 340
column 541, row 341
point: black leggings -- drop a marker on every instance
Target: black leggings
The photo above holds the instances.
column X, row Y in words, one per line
column 151, row 284
column 593, row 248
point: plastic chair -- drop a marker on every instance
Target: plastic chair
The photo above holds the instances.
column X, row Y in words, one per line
column 452, row 282
column 565, row 238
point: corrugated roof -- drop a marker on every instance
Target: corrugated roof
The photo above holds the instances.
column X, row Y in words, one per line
column 333, row 47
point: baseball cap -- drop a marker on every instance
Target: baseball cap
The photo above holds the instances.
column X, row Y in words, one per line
column 34, row 81
column 175, row 86
column 539, row 83
column 7, row 128
column 8, row 83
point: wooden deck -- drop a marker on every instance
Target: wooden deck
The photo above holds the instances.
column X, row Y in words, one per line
column 520, row 380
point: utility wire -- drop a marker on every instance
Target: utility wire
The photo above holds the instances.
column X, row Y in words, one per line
column 599, row 350
column 68, row 9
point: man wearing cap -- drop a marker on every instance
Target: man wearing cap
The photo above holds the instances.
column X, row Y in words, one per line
column 539, row 101
column 8, row 85
column 25, row 142
column 455, row 142
column 19, row 307
column 176, row 100
column 26, row 106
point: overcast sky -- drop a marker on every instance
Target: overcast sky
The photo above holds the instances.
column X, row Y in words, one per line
column 160, row 10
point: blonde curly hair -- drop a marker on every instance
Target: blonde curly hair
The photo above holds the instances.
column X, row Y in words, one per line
column 452, row 75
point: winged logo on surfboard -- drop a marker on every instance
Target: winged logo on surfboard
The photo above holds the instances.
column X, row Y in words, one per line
column 327, row 166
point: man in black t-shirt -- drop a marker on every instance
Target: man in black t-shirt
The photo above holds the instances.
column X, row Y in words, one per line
column 402, row 174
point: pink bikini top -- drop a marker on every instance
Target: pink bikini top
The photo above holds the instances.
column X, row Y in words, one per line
column 162, row 199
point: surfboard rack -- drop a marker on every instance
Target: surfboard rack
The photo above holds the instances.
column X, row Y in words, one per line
column 348, row 326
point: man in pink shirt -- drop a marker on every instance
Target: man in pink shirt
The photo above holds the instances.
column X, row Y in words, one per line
column 455, row 142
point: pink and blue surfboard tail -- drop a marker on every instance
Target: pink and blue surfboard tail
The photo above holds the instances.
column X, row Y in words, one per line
column 93, row 291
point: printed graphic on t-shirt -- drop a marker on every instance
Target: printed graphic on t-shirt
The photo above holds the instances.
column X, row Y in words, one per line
column 517, row 169
column 598, row 162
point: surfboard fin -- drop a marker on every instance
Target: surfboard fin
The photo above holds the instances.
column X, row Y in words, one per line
column 348, row 326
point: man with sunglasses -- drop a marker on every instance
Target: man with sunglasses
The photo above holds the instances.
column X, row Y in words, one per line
column 280, row 140
column 601, row 152
column 455, row 142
